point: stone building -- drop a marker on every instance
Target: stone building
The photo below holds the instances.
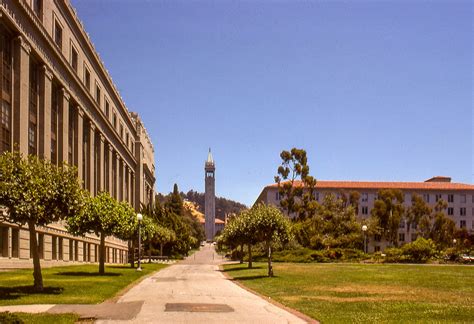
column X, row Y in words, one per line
column 459, row 196
column 59, row 102
column 210, row 198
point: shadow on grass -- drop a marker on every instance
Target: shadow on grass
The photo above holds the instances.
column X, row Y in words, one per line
column 252, row 278
column 9, row 293
column 88, row 274
column 242, row 268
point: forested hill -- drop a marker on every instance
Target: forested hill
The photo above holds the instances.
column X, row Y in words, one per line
column 223, row 205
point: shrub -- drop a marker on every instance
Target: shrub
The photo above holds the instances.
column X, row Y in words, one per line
column 393, row 255
column 420, row 250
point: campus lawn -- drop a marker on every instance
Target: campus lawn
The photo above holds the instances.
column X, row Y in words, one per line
column 47, row 318
column 347, row 293
column 80, row 284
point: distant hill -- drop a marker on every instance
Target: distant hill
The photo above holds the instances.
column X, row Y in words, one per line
column 223, row 206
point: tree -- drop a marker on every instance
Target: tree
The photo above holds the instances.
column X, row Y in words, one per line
column 36, row 192
column 269, row 225
column 417, row 211
column 104, row 216
column 239, row 231
column 387, row 213
column 162, row 236
column 296, row 198
column 437, row 226
column 175, row 202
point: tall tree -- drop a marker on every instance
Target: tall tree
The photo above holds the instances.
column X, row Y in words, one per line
column 437, row 226
column 387, row 213
column 35, row 192
column 296, row 198
column 175, row 202
column 417, row 211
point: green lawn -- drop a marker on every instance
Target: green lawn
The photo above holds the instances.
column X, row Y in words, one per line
column 348, row 293
column 69, row 285
column 47, row 318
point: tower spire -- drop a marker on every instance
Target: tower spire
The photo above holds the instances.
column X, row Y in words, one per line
column 210, row 160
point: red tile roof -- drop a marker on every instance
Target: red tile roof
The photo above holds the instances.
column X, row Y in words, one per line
column 324, row 184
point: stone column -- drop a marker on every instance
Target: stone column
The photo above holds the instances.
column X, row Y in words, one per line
column 92, row 159
column 124, row 181
column 21, row 86
column 78, row 139
column 45, row 113
column 63, row 132
column 111, row 156
column 101, row 172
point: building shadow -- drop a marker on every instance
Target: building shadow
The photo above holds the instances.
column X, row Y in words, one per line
column 11, row 293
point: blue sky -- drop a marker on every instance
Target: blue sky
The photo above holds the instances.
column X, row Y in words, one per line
column 373, row 90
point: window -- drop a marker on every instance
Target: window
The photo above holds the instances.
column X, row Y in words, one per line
column 114, row 121
column 450, row 211
column 462, row 224
column 121, row 131
column 401, row 237
column 277, row 196
column 462, row 211
column 107, row 107
column 376, row 248
column 365, row 210
column 365, row 197
column 414, row 236
column 127, row 139
column 55, row 93
column 377, row 238
column 402, row 224
column 5, row 91
column 463, row 199
column 87, row 78
column 450, row 198
column 316, row 196
column 58, row 34
column 438, row 197
column 33, row 111
column 38, row 7
column 413, row 225
column 426, row 197
column 74, row 58
column 97, row 94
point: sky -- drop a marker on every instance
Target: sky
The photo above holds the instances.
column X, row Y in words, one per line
column 372, row 90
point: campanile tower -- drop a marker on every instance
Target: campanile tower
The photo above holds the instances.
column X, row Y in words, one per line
column 210, row 198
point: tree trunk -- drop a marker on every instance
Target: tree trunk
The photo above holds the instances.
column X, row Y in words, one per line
column 149, row 252
column 241, row 253
column 131, row 247
column 250, row 256
column 38, row 278
column 161, row 249
column 102, row 254
column 270, row 266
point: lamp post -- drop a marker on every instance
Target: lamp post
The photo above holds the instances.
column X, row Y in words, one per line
column 454, row 242
column 139, row 218
column 364, row 229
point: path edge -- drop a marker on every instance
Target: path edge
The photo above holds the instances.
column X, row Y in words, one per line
column 293, row 311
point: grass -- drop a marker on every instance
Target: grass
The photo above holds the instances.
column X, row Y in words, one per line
column 69, row 285
column 47, row 318
column 360, row 293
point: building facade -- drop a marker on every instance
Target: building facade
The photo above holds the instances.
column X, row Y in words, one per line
column 210, row 198
column 58, row 102
column 459, row 196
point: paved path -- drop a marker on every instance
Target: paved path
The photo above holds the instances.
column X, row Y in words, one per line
column 195, row 291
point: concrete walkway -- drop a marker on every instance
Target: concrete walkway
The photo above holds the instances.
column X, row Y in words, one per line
column 192, row 291
column 195, row 291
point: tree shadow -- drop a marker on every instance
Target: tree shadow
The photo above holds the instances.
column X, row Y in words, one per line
column 252, row 277
column 9, row 293
column 87, row 274
column 242, row 268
